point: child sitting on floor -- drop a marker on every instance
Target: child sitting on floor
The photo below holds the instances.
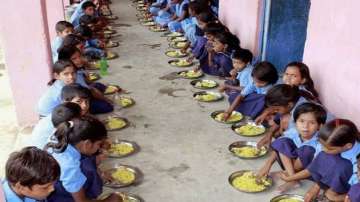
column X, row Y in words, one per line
column 297, row 147
column 93, row 47
column 181, row 13
column 157, row 6
column 76, row 103
column 87, row 8
column 64, row 73
column 99, row 103
column 241, row 72
column 78, row 182
column 329, row 170
column 63, row 29
column 251, row 100
column 354, row 194
column 221, row 64
column 296, row 74
column 30, row 175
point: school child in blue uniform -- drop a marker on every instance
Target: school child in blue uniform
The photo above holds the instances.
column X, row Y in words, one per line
column 181, row 13
column 63, row 28
column 63, row 73
column 165, row 15
column 73, row 40
column 241, row 72
column 298, row 74
column 157, row 6
column 297, row 147
column 92, row 47
column 189, row 24
column 87, row 7
column 282, row 100
column 46, row 126
column 329, row 170
column 78, row 12
column 98, row 103
column 76, row 101
column 354, row 194
column 198, row 47
column 207, row 51
column 223, row 45
column 30, row 175
column 251, row 100
column 78, row 138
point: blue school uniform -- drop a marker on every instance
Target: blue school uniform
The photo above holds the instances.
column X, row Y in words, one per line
column 254, row 100
column 189, row 27
column 11, row 196
column 55, row 45
column 156, row 7
column 179, row 11
column 50, row 99
column 244, row 76
column 163, row 17
column 292, row 146
column 96, row 106
column 81, row 78
column 92, row 51
column 72, row 179
column 354, row 193
column 42, row 132
column 198, row 49
column 75, row 17
column 222, row 65
column 351, row 156
column 331, row 171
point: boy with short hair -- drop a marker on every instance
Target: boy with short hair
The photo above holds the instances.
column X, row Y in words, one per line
column 63, row 28
column 30, row 175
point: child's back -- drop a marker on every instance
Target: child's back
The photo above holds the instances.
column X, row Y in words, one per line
column 50, row 99
column 55, row 45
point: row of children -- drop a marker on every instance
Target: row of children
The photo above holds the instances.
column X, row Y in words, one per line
column 66, row 147
column 309, row 142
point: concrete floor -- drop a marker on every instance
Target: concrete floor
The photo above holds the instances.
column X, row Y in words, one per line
column 184, row 154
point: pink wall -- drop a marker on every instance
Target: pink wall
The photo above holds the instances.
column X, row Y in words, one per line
column 242, row 18
column 332, row 51
column 55, row 13
column 25, row 39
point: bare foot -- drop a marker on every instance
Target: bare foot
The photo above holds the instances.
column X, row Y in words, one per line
column 288, row 186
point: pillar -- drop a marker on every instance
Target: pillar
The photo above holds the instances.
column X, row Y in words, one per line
column 26, row 44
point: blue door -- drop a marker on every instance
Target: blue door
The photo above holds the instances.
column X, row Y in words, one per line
column 284, row 32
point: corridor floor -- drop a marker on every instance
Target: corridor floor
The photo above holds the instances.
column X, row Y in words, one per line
column 184, row 153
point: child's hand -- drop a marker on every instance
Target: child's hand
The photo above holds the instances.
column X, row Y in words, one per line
column 285, row 177
column 311, row 194
column 347, row 199
column 266, row 140
column 106, row 176
column 284, row 122
column 226, row 115
column 233, row 73
column 196, row 69
column 190, row 59
column 222, row 88
column 263, row 172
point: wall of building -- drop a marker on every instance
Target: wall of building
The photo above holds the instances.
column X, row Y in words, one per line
column 332, row 52
column 25, row 39
column 242, row 18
